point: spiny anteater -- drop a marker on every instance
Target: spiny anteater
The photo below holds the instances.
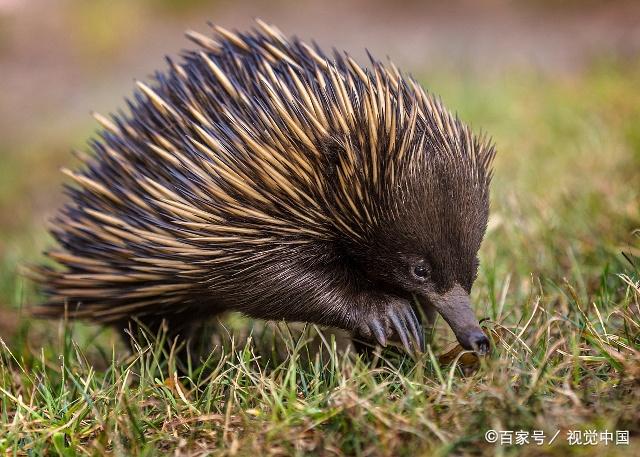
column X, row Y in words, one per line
column 263, row 176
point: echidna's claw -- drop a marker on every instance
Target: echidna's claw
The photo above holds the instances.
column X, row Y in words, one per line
column 401, row 329
column 378, row 331
column 392, row 319
column 414, row 327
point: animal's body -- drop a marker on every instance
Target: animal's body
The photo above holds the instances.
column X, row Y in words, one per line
column 262, row 176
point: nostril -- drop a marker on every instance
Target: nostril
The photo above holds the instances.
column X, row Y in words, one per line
column 479, row 342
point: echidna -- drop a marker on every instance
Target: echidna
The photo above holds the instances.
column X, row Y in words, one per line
column 264, row 176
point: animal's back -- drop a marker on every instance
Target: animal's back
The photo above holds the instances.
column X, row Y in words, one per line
column 243, row 150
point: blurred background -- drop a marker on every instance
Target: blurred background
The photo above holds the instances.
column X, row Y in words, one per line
column 556, row 84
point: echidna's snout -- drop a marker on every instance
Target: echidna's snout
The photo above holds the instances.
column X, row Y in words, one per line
column 455, row 307
column 476, row 341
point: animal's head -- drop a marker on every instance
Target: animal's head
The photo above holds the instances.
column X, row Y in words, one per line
column 437, row 204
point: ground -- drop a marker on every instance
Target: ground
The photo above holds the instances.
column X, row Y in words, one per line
column 558, row 290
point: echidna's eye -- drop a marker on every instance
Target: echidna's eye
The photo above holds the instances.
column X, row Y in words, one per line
column 421, row 271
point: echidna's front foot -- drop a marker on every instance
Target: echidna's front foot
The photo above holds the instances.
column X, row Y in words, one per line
column 393, row 320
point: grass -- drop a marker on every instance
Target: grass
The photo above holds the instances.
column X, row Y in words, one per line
column 559, row 288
